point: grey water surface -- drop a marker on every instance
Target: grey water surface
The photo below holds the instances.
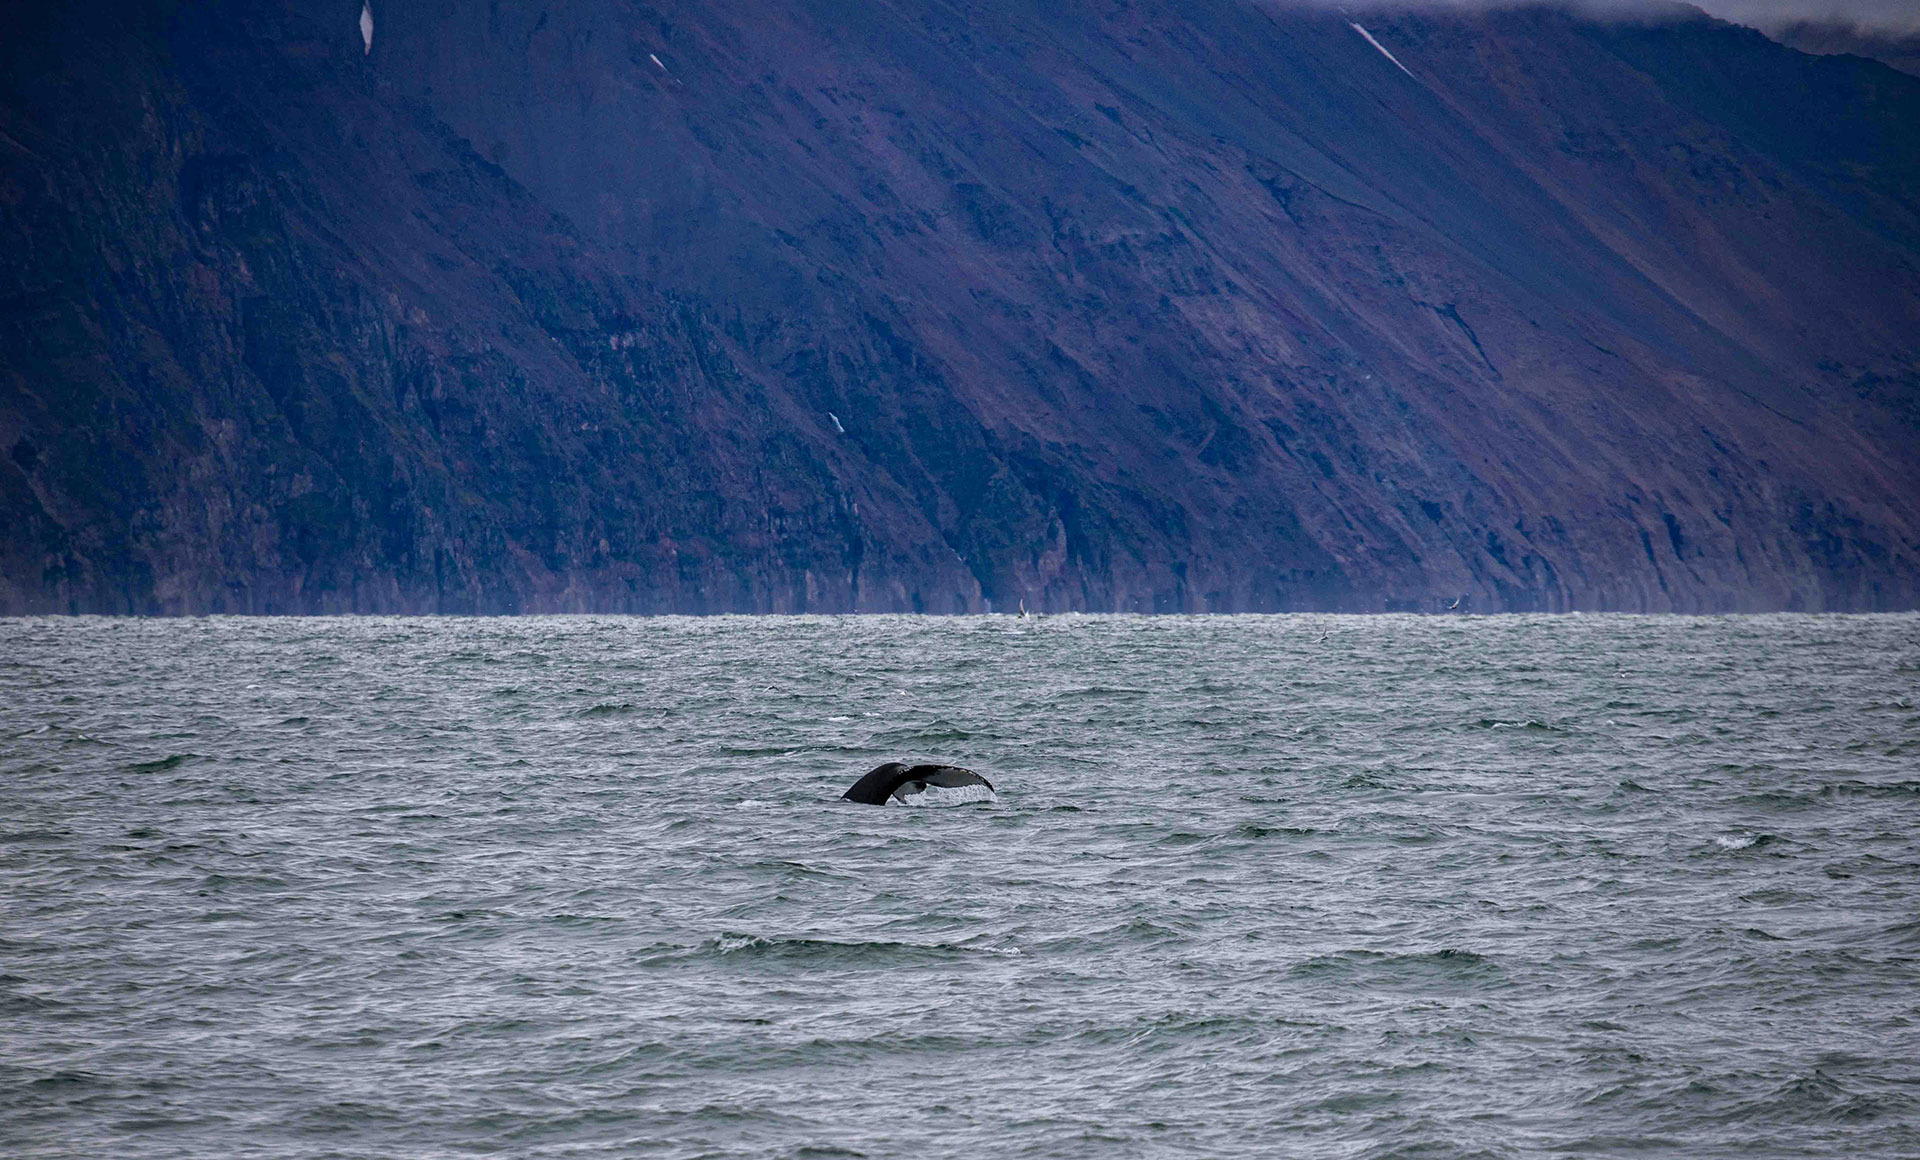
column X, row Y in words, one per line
column 1276, row 886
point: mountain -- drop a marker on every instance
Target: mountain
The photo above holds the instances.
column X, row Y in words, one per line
column 1899, row 50
column 908, row 305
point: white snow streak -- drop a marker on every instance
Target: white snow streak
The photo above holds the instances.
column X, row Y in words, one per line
column 1383, row 48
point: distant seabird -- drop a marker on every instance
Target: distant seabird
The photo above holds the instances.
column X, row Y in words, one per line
column 1456, row 603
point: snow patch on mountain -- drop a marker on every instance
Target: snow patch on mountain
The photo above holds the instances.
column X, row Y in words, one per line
column 1383, row 48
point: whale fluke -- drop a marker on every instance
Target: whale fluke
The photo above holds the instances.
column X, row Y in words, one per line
column 896, row 782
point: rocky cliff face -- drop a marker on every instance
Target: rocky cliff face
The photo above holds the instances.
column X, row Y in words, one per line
column 598, row 304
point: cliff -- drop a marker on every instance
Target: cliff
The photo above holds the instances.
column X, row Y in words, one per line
column 604, row 305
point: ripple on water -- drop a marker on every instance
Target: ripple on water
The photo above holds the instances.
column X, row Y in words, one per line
column 583, row 887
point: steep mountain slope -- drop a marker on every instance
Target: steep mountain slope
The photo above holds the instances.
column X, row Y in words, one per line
column 1894, row 49
column 909, row 305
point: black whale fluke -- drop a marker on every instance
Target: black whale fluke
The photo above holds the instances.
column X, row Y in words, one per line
column 894, row 780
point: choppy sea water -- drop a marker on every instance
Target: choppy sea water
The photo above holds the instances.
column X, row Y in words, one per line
column 1300, row 886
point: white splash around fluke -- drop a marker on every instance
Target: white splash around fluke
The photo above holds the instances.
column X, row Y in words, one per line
column 935, row 795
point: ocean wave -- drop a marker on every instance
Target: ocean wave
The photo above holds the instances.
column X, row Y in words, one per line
column 1415, row 968
column 824, row 952
column 1524, row 726
column 570, row 922
column 162, row 764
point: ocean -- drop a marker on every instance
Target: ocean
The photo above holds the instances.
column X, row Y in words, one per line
column 1304, row 886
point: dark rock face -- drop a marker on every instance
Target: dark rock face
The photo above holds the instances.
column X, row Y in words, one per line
column 603, row 305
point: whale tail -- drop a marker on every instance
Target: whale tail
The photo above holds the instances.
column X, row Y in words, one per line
column 896, row 782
